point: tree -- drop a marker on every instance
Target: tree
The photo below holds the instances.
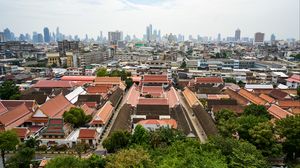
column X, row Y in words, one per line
column 32, row 143
column 229, row 80
column 256, row 110
column 9, row 90
column 263, row 137
column 225, row 114
column 289, row 130
column 136, row 157
column 80, row 148
column 241, row 83
column 8, row 142
column 95, row 161
column 226, row 122
column 298, row 91
column 183, row 64
column 165, row 136
column 22, row 158
column 65, row 162
column 141, row 136
column 101, row 72
column 189, row 153
column 76, row 117
column 238, row 153
column 118, row 140
column 128, row 82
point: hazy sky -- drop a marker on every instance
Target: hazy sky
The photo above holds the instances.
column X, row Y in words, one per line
column 203, row 17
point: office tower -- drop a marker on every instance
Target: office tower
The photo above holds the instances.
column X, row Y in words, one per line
column 7, row 35
column 57, row 34
column 114, row 37
column 34, row 37
column 149, row 33
column 28, row 37
column 219, row 37
column 40, row 38
column 237, row 35
column 46, row 35
column 159, row 35
column 1, row 37
column 273, row 38
column 154, row 36
column 22, row 37
column 259, row 37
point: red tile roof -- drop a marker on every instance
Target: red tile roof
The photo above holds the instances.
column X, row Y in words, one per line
column 87, row 133
column 153, row 101
column 22, row 132
column 98, row 89
column 87, row 110
column 294, row 78
column 56, row 107
column 11, row 104
column 278, row 112
column 217, row 96
column 155, row 78
column 165, row 122
column 78, row 78
column 252, row 97
column 190, row 97
column 206, row 80
column 3, row 109
column 172, row 97
column 54, row 84
column 288, row 103
column 15, row 117
column 152, row 89
column 267, row 98
column 103, row 115
column 108, row 80
column 278, row 94
column 133, row 95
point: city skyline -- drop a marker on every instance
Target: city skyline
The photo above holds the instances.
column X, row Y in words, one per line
column 205, row 18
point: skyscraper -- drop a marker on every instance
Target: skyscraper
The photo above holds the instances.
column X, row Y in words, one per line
column 46, row 35
column 273, row 38
column 1, row 37
column 219, row 37
column 114, row 37
column 57, row 34
column 149, row 33
column 7, row 35
column 237, row 35
column 259, row 37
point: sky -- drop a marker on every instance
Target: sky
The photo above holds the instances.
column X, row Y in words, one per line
column 195, row 17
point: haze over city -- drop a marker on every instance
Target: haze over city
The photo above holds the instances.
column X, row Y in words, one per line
column 195, row 17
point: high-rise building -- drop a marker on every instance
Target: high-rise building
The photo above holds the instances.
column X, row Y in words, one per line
column 40, row 38
column 273, row 38
column 114, row 37
column 58, row 34
column 7, row 35
column 219, row 37
column 46, row 35
column 1, row 37
column 237, row 35
column 35, row 37
column 259, row 37
column 149, row 33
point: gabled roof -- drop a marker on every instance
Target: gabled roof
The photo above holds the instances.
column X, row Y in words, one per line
column 87, row 110
column 3, row 109
column 152, row 89
column 294, row 78
column 98, row 89
column 165, row 122
column 133, row 95
column 172, row 97
column 87, row 133
column 54, row 84
column 103, row 115
column 55, row 126
column 252, row 97
column 190, row 97
column 153, row 101
column 267, row 98
column 278, row 112
column 108, row 80
column 73, row 96
column 12, row 104
column 15, row 117
column 206, row 80
column 288, row 103
column 56, row 107
column 22, row 132
column 155, row 78
column 278, row 94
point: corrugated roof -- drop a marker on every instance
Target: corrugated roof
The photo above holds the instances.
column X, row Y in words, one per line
column 78, row 78
column 206, row 80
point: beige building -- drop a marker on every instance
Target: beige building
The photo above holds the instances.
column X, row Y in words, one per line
column 53, row 58
column 70, row 62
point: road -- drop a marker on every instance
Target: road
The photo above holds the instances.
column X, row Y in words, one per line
column 198, row 127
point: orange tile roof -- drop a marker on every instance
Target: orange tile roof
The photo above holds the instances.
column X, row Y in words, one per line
column 169, row 122
column 22, row 132
column 3, row 109
column 87, row 133
column 217, row 96
column 252, row 97
column 15, row 117
column 152, row 89
column 98, row 89
column 133, row 95
column 108, row 80
column 155, row 78
column 172, row 97
column 87, row 110
column 278, row 112
column 56, row 106
column 54, row 84
column 267, row 98
column 103, row 115
column 209, row 80
column 153, row 101
column 190, row 97
column 288, row 103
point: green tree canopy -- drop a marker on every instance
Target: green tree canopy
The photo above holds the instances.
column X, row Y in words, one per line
column 128, row 82
column 94, row 161
column 101, row 72
column 8, row 142
column 133, row 157
column 76, row 117
column 141, row 136
column 22, row 158
column 9, row 91
column 257, row 110
column 289, row 129
column 118, row 140
column 65, row 162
